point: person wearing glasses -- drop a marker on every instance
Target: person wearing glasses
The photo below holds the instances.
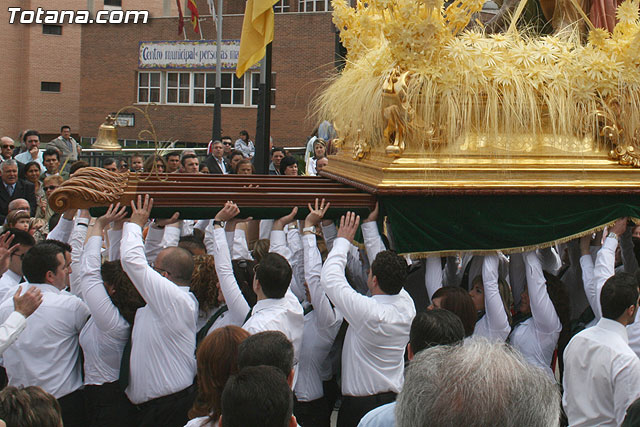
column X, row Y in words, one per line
column 50, row 184
column 7, row 145
column 227, row 143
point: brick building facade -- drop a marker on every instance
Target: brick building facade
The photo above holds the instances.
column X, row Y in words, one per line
column 303, row 58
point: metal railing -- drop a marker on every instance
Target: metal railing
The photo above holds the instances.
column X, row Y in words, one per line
column 94, row 156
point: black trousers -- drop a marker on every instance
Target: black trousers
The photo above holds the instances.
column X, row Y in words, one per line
column 166, row 411
column 108, row 406
column 312, row 414
column 74, row 409
column 355, row 407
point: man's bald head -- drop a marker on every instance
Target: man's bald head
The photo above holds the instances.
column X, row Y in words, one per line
column 18, row 205
column 177, row 263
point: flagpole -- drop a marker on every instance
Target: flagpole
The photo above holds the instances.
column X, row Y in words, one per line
column 263, row 128
column 216, row 133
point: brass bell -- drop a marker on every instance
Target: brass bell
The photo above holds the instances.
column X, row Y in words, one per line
column 108, row 136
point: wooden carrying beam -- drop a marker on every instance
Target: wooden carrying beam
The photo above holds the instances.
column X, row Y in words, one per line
column 199, row 195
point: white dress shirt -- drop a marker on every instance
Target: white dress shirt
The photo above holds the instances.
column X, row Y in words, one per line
column 601, row 376
column 495, row 323
column 11, row 329
column 373, row 352
column 320, row 328
column 104, row 336
column 164, row 332
column 594, row 277
column 46, row 354
column 8, row 282
column 536, row 337
column 26, row 157
column 270, row 314
column 62, row 230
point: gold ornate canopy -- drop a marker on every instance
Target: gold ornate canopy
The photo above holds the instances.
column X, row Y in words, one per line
column 426, row 106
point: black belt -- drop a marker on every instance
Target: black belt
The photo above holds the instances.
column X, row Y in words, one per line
column 168, row 398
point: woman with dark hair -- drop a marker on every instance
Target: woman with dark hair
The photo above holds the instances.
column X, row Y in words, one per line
column 542, row 315
column 244, row 144
column 457, row 301
column 112, row 300
column 217, row 360
column 490, row 296
column 29, row 406
column 31, row 172
column 289, row 166
column 234, row 158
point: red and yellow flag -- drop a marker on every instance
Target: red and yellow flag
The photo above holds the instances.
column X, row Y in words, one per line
column 180, row 18
column 257, row 33
column 195, row 16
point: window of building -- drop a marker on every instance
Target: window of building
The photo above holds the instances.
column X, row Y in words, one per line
column 255, row 87
column 52, row 29
column 113, row 3
column 50, row 86
column 178, row 88
column 149, row 87
column 232, row 89
column 313, row 5
column 281, row 7
column 198, row 88
column 204, row 85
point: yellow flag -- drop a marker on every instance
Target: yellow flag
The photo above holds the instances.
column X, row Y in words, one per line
column 257, row 33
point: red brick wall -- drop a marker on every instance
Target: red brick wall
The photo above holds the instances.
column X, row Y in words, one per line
column 303, row 55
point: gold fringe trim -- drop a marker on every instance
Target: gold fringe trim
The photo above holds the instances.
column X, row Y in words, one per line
column 519, row 249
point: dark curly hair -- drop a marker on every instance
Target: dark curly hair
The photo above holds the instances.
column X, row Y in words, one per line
column 391, row 271
column 126, row 297
column 203, row 282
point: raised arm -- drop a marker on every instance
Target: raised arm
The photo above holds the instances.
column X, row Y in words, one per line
column 114, row 235
column 542, row 310
column 294, row 241
column 326, row 315
column 216, row 243
column 355, row 308
column 162, row 296
column 104, row 313
column 76, row 241
column 493, row 305
column 62, row 231
column 433, row 275
column 372, row 240
column 278, row 244
column 588, row 280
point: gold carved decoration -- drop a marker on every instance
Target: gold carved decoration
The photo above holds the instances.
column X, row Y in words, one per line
column 361, row 148
column 93, row 186
column 612, row 134
column 395, row 112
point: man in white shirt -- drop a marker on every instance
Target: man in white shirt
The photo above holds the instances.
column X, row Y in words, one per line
column 24, row 306
column 47, row 353
column 163, row 341
column 13, row 276
column 277, row 308
column 373, row 352
column 33, row 154
column 601, row 372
